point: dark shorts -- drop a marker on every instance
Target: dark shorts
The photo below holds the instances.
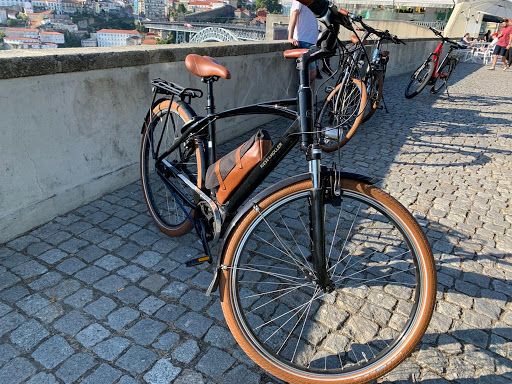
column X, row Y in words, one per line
column 499, row 50
column 303, row 44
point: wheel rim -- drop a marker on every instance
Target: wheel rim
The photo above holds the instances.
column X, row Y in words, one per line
column 419, row 78
column 243, row 304
column 164, row 206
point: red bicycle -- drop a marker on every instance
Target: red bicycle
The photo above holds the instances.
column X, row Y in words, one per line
column 431, row 72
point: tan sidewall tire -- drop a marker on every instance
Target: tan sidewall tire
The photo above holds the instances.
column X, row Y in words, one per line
column 186, row 113
column 358, row 120
column 398, row 354
column 376, row 103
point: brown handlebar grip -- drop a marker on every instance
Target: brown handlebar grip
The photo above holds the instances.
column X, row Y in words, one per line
column 343, row 12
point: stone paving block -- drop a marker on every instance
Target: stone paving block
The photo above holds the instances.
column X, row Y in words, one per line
column 14, row 294
column 47, row 280
column 153, row 282
column 73, row 245
column 91, row 274
column 131, row 295
column 36, row 249
column 128, row 251
column 52, row 256
column 101, row 307
column 126, row 230
column 184, row 273
column 52, row 352
column 166, row 266
column 64, row 289
column 150, row 305
column 96, row 218
column 128, row 380
column 220, row 337
column 166, row 341
column 75, row 367
column 111, row 284
column 186, row 352
column 241, row 375
column 121, row 318
column 49, row 313
column 132, row 273
column 222, row 360
column 112, row 224
column 95, row 235
column 29, row 269
column 148, row 259
column 111, row 348
column 183, row 253
column 58, row 237
column 203, row 279
column 92, row 335
column 22, row 242
column 91, row 253
column 4, row 309
column 7, row 279
column 111, row 243
column 164, row 246
column 144, row 237
column 17, row 370
column 14, row 260
column 110, row 262
column 190, row 377
column 195, row 300
column 71, row 265
column 33, row 303
column 162, row 372
column 79, row 299
column 194, row 324
column 43, row 378
column 145, row 331
column 215, row 311
column 28, row 335
column 136, row 360
column 169, row 313
column 71, row 323
column 7, row 352
column 105, row 374
column 175, row 290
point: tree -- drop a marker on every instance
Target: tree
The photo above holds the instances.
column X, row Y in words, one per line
column 168, row 40
column 2, row 35
column 241, row 4
column 181, row 8
column 71, row 40
column 272, row 6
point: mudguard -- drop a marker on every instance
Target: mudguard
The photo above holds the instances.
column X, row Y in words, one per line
column 262, row 195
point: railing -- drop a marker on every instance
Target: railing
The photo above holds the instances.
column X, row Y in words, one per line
column 439, row 25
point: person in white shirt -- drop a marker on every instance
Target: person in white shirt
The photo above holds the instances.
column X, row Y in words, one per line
column 303, row 32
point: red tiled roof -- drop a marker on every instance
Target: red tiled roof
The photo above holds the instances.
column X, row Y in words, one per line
column 22, row 30
column 133, row 32
column 51, row 33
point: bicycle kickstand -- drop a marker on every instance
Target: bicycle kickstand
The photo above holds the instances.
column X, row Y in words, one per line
column 385, row 106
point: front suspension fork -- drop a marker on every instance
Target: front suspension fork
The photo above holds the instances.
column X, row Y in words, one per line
column 317, row 220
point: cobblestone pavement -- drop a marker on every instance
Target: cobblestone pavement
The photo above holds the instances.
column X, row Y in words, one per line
column 99, row 295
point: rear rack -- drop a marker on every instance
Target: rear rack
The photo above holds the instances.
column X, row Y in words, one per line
column 167, row 88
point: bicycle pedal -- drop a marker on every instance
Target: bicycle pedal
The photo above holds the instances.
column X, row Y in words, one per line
column 198, row 260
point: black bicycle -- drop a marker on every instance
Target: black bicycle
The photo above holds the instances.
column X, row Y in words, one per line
column 323, row 277
column 431, row 72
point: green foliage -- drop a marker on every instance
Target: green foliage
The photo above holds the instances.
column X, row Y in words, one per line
column 2, row 35
column 171, row 39
column 272, row 6
column 15, row 23
column 21, row 16
column 241, row 4
column 71, row 40
column 181, row 8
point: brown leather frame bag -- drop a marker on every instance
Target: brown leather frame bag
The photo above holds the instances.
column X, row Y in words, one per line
column 229, row 171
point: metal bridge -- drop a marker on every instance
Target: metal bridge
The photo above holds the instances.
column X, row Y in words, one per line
column 190, row 32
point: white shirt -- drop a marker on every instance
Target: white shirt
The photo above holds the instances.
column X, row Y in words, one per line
column 306, row 28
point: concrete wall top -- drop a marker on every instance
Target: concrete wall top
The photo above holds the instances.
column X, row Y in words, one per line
column 26, row 63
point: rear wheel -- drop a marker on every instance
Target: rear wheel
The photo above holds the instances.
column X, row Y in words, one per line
column 384, row 286
column 341, row 114
column 374, row 86
column 164, row 206
column 419, row 79
column 444, row 74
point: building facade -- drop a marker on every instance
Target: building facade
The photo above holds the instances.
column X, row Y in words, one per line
column 22, row 32
column 116, row 37
column 51, row 37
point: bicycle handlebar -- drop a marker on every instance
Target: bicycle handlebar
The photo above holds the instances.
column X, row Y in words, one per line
column 454, row 44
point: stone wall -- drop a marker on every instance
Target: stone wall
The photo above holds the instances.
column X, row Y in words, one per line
column 70, row 118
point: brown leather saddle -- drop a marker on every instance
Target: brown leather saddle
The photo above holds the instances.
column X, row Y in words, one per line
column 205, row 66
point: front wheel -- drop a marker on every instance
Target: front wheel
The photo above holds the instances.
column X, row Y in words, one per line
column 419, row 79
column 341, row 114
column 374, row 87
column 384, row 281
column 444, row 74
